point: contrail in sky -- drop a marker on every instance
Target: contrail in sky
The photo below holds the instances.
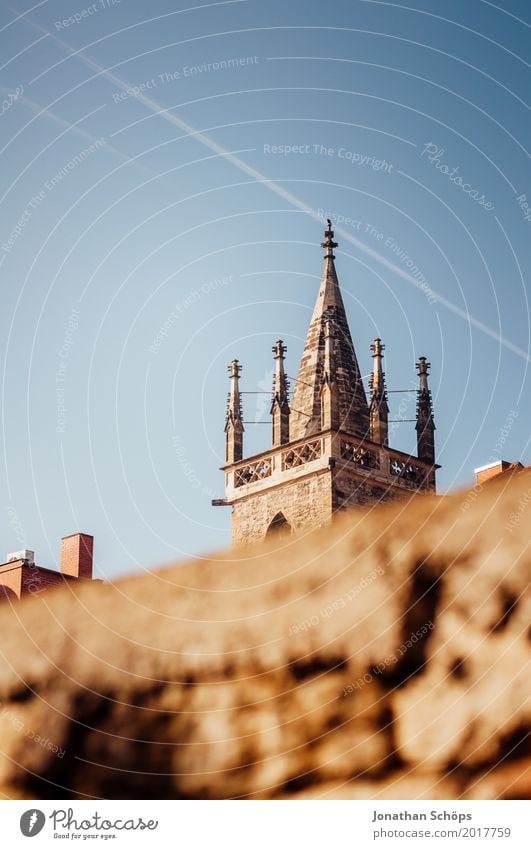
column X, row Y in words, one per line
column 279, row 190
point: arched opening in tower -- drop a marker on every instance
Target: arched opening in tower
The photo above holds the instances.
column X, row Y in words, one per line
column 7, row 594
column 279, row 525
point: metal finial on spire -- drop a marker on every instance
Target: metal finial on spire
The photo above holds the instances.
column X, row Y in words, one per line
column 279, row 349
column 234, row 368
column 329, row 243
column 377, row 348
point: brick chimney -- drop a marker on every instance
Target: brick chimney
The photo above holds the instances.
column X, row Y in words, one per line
column 485, row 473
column 76, row 555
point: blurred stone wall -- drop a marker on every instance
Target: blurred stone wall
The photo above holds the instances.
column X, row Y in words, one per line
column 386, row 656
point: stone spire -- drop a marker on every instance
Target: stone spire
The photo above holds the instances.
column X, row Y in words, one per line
column 351, row 399
column 379, row 409
column 425, row 426
column 234, row 424
column 280, row 403
column 329, row 394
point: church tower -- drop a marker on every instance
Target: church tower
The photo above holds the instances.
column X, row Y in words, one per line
column 330, row 446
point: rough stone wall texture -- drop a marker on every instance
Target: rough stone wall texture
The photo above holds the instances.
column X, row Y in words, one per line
column 382, row 657
column 305, row 504
column 357, row 492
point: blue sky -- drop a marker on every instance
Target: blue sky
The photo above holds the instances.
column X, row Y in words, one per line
column 164, row 170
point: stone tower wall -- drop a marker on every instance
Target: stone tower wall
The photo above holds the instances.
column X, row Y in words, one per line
column 349, row 491
column 305, row 503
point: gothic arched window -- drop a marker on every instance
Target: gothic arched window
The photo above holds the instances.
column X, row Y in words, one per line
column 279, row 525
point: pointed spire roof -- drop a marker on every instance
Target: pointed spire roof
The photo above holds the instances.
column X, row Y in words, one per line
column 425, row 426
column 280, row 411
column 306, row 408
column 378, row 406
column 377, row 379
column 233, row 423
column 280, row 381
column 234, row 400
column 424, row 399
column 329, row 294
